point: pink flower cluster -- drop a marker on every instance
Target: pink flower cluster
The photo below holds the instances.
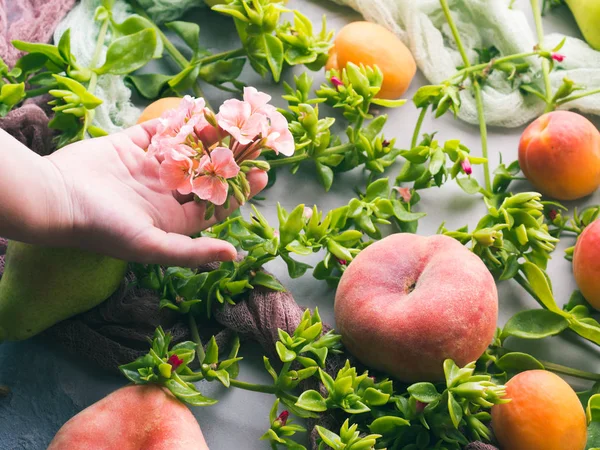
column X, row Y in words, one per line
column 199, row 151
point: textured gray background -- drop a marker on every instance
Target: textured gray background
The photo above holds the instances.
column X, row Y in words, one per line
column 49, row 387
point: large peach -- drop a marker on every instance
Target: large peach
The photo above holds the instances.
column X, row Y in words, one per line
column 560, row 154
column 132, row 418
column 408, row 302
column 586, row 263
column 372, row 44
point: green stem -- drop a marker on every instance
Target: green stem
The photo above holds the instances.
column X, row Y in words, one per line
column 494, row 62
column 525, row 285
column 564, row 370
column 299, row 158
column 537, row 16
column 417, row 132
column 40, row 91
column 263, row 388
column 196, row 376
column 476, row 88
column 222, row 56
column 577, row 97
column 181, row 60
column 196, row 338
column 96, row 55
column 483, row 132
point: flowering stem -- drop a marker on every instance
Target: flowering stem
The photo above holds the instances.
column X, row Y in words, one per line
column 298, row 158
column 492, row 63
column 196, row 338
column 577, row 97
column 477, row 90
column 537, row 15
column 417, row 132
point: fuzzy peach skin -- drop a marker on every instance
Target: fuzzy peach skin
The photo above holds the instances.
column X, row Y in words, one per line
column 560, row 154
column 408, row 302
column 132, row 418
column 586, row 263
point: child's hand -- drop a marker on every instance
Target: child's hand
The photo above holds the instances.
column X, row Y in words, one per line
column 111, row 201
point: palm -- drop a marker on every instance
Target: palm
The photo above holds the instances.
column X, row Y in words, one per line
column 119, row 206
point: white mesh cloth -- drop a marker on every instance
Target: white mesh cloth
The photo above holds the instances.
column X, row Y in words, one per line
column 116, row 112
column 421, row 25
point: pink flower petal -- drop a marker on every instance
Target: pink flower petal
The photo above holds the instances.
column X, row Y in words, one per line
column 279, row 137
column 258, row 101
column 223, row 163
column 211, row 188
column 175, row 172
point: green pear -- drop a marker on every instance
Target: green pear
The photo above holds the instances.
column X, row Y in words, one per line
column 587, row 15
column 42, row 286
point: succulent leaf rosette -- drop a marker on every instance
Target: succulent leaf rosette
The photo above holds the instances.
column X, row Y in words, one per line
column 208, row 155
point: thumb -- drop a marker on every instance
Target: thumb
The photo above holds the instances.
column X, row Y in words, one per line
column 159, row 247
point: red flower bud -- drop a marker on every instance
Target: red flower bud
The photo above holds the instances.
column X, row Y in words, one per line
column 558, row 57
column 466, row 166
column 385, row 143
column 552, row 214
column 283, row 417
column 336, row 82
column 175, row 361
column 420, row 406
column 342, row 262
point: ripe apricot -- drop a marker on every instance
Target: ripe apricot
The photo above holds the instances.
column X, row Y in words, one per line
column 586, row 263
column 372, row 44
column 155, row 109
column 560, row 154
column 544, row 413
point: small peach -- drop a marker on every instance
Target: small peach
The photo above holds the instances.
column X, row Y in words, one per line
column 586, row 263
column 544, row 413
column 560, row 154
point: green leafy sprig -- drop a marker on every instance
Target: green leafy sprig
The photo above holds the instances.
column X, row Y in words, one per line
column 352, row 91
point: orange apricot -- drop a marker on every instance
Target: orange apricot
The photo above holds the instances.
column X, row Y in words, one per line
column 544, row 413
column 372, row 44
column 155, row 109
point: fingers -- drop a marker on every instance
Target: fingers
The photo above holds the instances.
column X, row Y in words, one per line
column 142, row 133
column 172, row 249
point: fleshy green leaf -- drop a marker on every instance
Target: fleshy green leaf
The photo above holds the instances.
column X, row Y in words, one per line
column 129, row 53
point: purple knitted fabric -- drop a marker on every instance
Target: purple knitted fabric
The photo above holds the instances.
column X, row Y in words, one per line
column 28, row 20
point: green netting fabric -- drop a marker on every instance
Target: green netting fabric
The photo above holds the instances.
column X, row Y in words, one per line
column 482, row 23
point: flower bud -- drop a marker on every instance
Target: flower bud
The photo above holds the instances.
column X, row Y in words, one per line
column 336, row 82
column 558, row 57
column 165, row 370
column 466, row 166
column 282, row 419
column 175, row 361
